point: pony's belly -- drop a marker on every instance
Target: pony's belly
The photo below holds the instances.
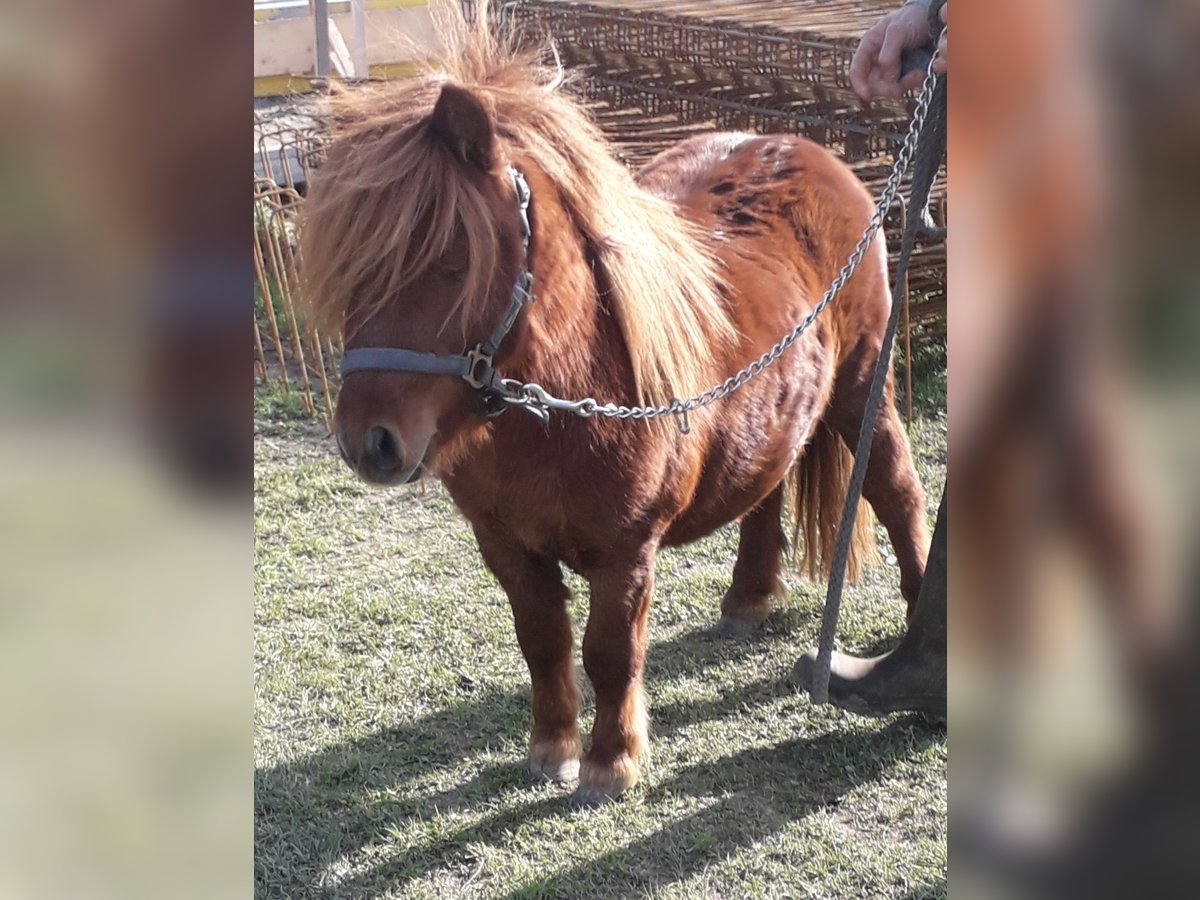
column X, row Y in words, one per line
column 749, row 459
column 701, row 520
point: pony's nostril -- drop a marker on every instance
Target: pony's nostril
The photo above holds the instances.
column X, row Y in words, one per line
column 382, row 448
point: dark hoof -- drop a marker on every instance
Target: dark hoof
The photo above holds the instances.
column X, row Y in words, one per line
column 802, row 672
column 879, row 686
column 559, row 773
column 737, row 629
column 934, row 718
column 590, row 798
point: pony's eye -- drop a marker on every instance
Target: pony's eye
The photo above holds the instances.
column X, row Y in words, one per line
column 453, row 274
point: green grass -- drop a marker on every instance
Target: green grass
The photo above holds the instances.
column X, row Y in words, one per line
column 276, row 411
column 391, row 712
column 929, row 376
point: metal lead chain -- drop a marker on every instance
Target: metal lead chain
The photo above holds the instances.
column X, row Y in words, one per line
column 535, row 397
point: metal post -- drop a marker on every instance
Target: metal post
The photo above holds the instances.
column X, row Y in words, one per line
column 908, row 360
column 358, row 50
column 321, row 17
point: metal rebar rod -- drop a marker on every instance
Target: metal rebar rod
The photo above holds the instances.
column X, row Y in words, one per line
column 321, row 19
column 358, row 45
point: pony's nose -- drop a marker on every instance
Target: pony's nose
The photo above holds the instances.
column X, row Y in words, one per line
column 381, row 450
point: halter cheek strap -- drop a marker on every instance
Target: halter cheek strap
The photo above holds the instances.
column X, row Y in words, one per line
column 474, row 366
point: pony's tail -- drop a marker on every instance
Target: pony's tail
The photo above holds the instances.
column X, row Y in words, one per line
column 816, row 491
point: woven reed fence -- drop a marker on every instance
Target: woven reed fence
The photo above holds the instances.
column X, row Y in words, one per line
column 655, row 74
column 287, row 351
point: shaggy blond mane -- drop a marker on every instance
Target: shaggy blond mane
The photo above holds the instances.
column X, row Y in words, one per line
column 390, row 197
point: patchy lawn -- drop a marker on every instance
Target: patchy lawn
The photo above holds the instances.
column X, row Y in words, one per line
column 391, row 714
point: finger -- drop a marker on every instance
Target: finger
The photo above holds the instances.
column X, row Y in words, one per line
column 889, row 53
column 912, row 80
column 940, row 64
column 864, row 61
column 882, row 86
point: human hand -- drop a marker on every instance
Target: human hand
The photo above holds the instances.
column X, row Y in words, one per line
column 875, row 69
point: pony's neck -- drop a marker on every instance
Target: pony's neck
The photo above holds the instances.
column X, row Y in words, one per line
column 570, row 341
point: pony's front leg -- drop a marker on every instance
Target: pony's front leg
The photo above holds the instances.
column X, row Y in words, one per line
column 614, row 649
column 538, row 599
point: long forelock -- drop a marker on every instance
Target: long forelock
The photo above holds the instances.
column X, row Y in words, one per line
column 385, row 213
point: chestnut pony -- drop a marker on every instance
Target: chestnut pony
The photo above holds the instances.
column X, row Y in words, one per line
column 645, row 287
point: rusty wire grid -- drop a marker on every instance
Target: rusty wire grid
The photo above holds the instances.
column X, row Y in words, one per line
column 288, row 142
column 742, row 65
column 293, row 354
column 655, row 73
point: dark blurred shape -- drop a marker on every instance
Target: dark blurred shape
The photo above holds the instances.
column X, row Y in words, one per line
column 1073, row 436
column 128, row 139
column 125, row 302
column 199, row 409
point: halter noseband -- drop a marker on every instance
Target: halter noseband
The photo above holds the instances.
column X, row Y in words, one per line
column 473, row 366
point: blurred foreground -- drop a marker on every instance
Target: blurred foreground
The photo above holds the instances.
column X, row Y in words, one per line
column 1074, row 282
column 125, row 448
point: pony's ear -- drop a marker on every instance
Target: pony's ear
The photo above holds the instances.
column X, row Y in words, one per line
column 465, row 123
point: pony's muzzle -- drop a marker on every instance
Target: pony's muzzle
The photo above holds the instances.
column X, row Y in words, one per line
column 381, row 459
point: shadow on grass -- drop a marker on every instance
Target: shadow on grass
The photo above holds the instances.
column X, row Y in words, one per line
column 932, row 891
column 777, row 785
column 326, row 806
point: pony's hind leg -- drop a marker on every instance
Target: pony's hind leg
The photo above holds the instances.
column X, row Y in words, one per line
column 756, row 574
column 538, row 599
column 891, row 485
column 614, row 649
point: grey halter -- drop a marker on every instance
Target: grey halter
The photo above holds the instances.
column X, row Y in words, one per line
column 474, row 366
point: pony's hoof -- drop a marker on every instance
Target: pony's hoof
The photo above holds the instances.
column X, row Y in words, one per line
column 590, row 798
column 601, row 783
column 737, row 629
column 560, row 773
column 554, row 759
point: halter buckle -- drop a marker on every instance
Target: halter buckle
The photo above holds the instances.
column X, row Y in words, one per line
column 480, row 373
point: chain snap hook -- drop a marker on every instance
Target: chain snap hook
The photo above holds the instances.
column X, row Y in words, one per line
column 679, row 409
